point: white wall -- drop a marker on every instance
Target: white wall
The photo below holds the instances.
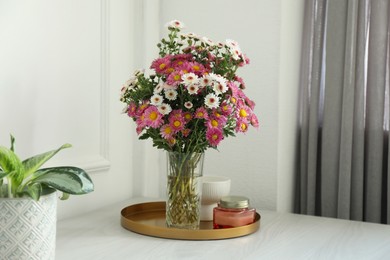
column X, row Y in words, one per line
column 63, row 62
column 61, row 68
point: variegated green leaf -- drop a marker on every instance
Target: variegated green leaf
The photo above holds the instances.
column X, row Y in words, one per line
column 64, row 196
column 32, row 164
column 70, row 180
column 34, row 191
column 11, row 165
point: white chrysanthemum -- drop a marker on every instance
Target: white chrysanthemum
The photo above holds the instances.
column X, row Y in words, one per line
column 211, row 101
column 139, row 72
column 217, row 78
column 207, row 41
column 190, row 78
column 193, row 89
column 219, row 87
column 190, row 35
column 188, row 104
column 175, row 24
column 164, row 109
column 167, row 86
column 170, row 94
column 233, row 44
column 156, row 100
column 158, row 88
column 131, row 81
column 205, row 81
column 236, row 54
column 234, row 49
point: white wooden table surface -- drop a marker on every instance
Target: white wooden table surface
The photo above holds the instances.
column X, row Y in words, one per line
column 99, row 235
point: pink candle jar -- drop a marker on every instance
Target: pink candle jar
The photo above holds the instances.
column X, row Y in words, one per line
column 233, row 211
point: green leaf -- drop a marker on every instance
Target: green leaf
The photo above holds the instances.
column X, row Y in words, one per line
column 144, row 136
column 67, row 179
column 64, row 196
column 34, row 191
column 11, row 165
column 12, row 143
column 32, row 164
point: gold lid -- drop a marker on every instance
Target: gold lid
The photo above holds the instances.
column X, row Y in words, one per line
column 230, row 202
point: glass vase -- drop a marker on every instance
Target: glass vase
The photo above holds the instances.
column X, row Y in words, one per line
column 184, row 189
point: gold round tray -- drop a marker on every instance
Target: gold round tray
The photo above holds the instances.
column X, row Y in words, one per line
column 149, row 219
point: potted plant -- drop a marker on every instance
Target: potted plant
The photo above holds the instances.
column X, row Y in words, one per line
column 28, row 202
column 192, row 100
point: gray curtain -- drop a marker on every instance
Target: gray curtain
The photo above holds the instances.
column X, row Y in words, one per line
column 343, row 168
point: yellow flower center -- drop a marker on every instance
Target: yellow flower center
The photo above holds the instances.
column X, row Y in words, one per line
column 172, row 141
column 214, row 123
column 187, row 116
column 170, row 70
column 176, row 77
column 196, row 67
column 162, row 66
column 214, row 137
column 153, row 116
column 243, row 127
column 179, row 63
column 200, row 114
column 233, row 100
column 177, row 123
column 168, row 130
column 243, row 113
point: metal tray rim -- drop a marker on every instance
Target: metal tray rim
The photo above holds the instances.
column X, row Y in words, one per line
column 128, row 221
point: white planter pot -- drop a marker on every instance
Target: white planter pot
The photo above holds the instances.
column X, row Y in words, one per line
column 28, row 228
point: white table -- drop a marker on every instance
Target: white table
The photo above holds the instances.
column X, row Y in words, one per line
column 99, row 235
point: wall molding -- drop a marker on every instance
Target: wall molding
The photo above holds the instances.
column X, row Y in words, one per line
column 101, row 162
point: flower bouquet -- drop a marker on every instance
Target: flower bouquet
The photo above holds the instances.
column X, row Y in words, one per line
column 191, row 102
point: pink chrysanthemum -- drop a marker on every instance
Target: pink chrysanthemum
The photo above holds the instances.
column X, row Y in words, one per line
column 233, row 88
column 142, row 108
column 174, row 78
column 250, row 103
column 226, row 109
column 240, row 81
column 241, row 126
column 214, row 136
column 243, row 111
column 161, row 65
column 185, row 132
column 141, row 123
column 201, row 113
column 254, row 121
column 132, row 109
column 177, row 121
column 213, row 123
column 139, row 129
column 171, row 141
column 222, row 119
column 187, row 116
column 166, row 131
column 197, row 68
column 153, row 117
column 177, row 113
